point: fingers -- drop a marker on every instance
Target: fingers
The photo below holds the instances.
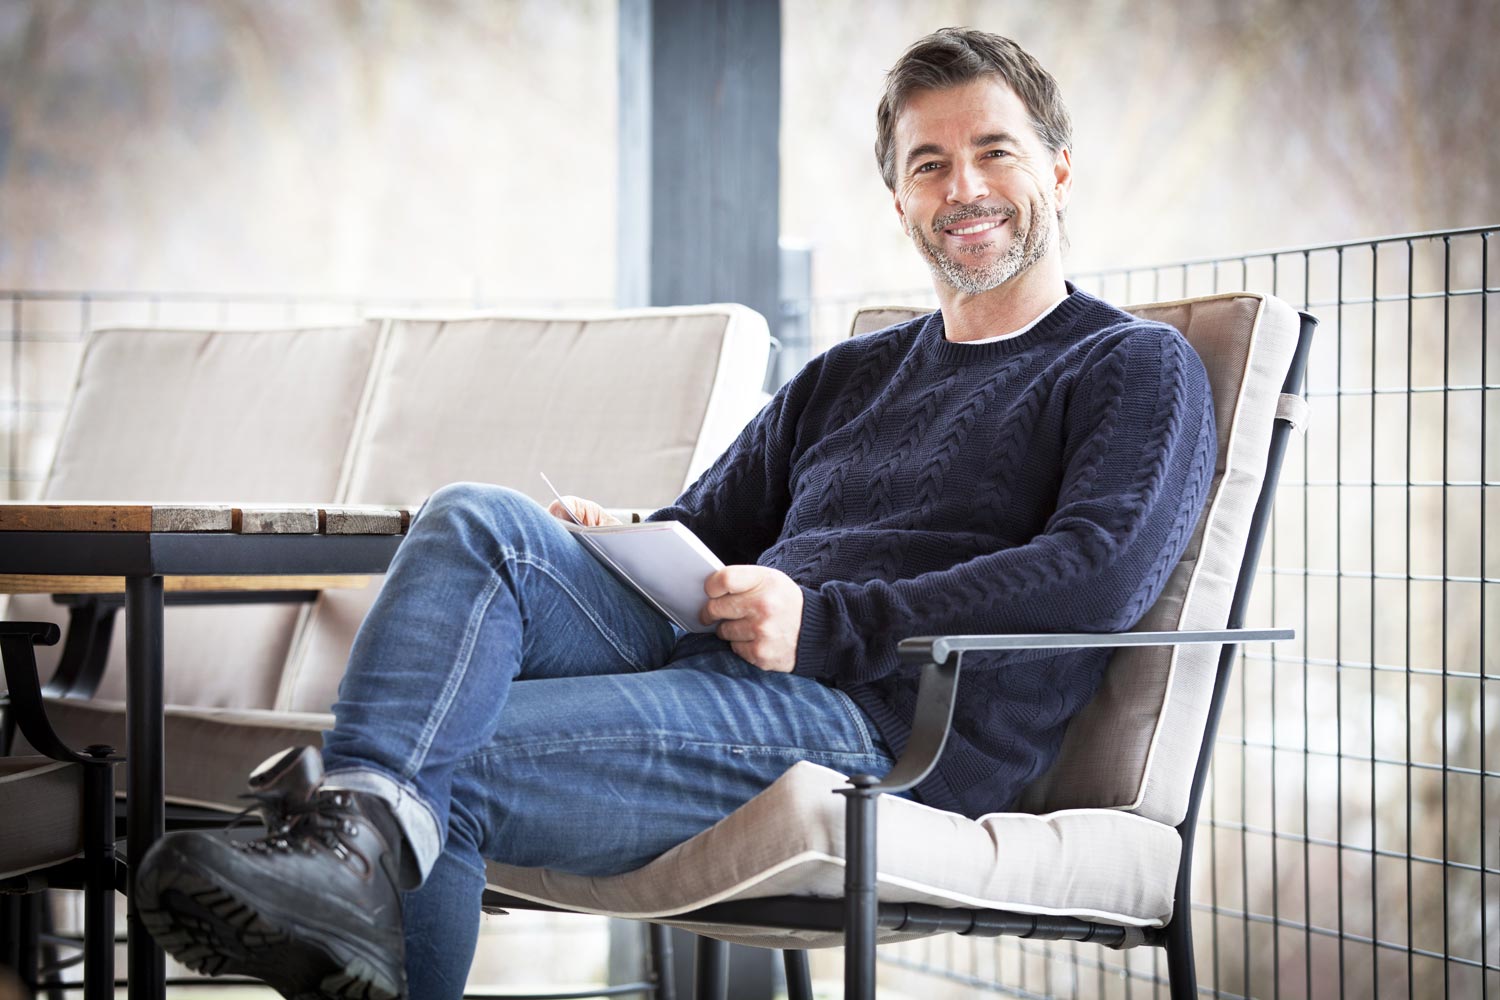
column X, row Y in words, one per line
column 587, row 512
column 734, row 580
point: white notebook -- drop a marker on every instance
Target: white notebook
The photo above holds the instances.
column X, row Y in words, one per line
column 663, row 560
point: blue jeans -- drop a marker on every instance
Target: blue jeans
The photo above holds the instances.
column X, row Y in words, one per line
column 511, row 699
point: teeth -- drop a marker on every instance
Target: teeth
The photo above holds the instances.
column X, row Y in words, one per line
column 976, row 228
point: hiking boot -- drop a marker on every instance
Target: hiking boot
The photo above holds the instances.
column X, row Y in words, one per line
column 313, row 908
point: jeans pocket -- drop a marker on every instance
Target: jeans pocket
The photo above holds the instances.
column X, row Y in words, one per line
column 869, row 742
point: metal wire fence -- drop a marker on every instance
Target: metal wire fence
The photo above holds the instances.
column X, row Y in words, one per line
column 1349, row 839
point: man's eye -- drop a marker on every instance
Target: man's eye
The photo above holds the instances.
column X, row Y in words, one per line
column 998, row 152
column 927, row 168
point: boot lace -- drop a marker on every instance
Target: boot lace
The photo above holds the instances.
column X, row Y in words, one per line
column 320, row 820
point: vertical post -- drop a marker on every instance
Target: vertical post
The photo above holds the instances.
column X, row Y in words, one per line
column 146, row 769
column 711, row 969
column 860, row 906
column 662, row 970
column 99, row 876
column 699, row 176
column 794, row 330
column 798, row 975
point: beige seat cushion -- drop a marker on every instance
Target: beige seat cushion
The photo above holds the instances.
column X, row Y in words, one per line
column 208, row 416
column 789, row 840
column 42, row 802
column 209, row 752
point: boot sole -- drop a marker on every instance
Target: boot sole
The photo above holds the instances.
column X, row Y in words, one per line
column 218, row 931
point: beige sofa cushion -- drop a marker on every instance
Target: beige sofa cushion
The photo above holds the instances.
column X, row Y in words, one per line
column 42, row 802
column 209, row 751
column 625, row 407
column 1135, row 745
column 208, row 415
column 789, row 840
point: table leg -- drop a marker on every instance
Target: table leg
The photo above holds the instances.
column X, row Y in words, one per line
column 145, row 769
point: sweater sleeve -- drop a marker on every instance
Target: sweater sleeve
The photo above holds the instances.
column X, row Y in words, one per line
column 737, row 506
column 1137, row 463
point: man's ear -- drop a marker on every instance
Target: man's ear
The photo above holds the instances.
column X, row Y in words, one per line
column 900, row 212
column 1062, row 173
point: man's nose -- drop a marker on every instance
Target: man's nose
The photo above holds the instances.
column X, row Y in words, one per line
column 968, row 185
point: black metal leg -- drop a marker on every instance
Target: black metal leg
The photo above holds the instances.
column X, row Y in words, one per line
column 99, row 879
column 1182, row 974
column 659, row 939
column 91, row 625
column 28, row 928
column 860, row 904
column 711, row 970
column 798, row 975
column 146, row 769
column 49, row 955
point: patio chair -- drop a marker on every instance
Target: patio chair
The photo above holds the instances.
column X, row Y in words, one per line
column 59, row 826
column 1102, row 848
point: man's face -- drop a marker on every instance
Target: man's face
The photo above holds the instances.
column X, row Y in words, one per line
column 976, row 189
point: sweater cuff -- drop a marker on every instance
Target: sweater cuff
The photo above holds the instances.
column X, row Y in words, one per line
column 812, row 640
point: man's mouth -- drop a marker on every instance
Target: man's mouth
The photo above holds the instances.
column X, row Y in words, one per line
column 974, row 228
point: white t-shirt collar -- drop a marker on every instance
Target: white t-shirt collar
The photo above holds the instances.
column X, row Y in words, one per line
column 1016, row 333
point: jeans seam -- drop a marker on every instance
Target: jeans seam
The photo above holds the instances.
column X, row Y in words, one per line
column 452, row 683
column 560, row 580
column 587, row 743
column 857, row 717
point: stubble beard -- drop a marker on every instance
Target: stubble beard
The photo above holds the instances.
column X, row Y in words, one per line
column 1026, row 247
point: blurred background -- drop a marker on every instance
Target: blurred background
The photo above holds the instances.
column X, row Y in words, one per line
column 256, row 163
column 467, row 148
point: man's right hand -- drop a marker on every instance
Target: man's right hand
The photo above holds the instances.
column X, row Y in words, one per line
column 587, row 511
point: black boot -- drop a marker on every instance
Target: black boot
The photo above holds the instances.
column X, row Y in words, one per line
column 313, row 908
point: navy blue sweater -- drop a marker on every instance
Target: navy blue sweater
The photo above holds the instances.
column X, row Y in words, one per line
column 915, row 486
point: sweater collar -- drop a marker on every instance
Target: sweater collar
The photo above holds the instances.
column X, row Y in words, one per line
column 1061, row 318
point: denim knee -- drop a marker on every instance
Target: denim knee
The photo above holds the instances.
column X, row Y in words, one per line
column 466, row 507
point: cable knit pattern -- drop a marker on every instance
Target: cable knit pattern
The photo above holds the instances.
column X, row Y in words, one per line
column 914, row 486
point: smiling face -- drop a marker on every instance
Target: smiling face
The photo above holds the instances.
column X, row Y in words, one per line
column 976, row 189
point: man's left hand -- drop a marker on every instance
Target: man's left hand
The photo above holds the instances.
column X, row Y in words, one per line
column 759, row 611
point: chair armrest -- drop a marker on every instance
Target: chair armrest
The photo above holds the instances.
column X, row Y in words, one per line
column 939, row 658
column 24, row 692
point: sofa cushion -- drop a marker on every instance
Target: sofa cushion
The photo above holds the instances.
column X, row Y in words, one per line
column 209, row 751
column 42, row 802
column 208, row 416
column 624, row 407
column 789, row 840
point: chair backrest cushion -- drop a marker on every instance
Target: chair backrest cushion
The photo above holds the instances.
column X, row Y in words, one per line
column 624, row 407
column 1135, row 745
column 209, row 416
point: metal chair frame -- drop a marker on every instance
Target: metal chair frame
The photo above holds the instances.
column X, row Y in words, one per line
column 98, row 873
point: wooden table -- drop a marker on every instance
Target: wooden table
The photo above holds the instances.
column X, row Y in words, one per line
column 148, row 549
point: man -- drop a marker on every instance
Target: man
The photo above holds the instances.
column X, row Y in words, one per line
column 1026, row 459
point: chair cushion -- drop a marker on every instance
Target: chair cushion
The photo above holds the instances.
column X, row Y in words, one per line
column 789, row 840
column 1135, row 745
column 42, row 802
column 209, row 751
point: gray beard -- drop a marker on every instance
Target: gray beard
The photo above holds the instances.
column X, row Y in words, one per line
column 1025, row 249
